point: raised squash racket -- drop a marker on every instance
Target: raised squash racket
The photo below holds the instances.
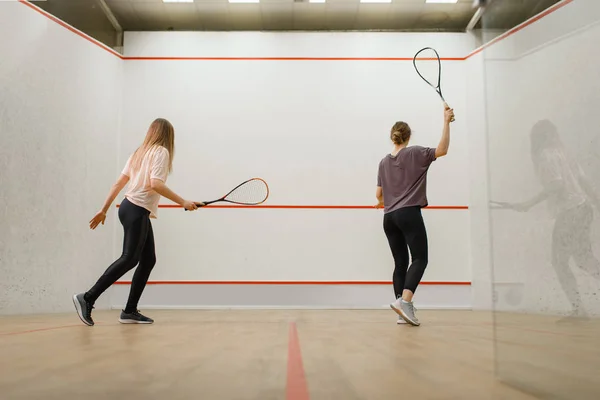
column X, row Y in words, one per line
column 251, row 192
column 428, row 65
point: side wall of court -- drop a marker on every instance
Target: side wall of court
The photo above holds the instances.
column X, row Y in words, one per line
column 269, row 105
column 545, row 259
column 59, row 107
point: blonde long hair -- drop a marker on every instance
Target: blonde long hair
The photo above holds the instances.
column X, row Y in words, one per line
column 160, row 133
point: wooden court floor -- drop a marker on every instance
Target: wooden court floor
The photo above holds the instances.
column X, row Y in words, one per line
column 298, row 355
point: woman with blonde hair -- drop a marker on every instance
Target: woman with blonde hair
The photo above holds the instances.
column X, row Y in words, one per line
column 146, row 172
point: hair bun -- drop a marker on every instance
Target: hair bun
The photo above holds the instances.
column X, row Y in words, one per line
column 400, row 133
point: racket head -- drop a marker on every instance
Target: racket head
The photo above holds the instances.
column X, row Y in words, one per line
column 252, row 192
column 428, row 65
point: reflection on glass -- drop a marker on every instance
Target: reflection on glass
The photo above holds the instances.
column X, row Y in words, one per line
column 570, row 198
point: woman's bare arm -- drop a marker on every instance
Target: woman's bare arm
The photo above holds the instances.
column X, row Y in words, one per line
column 114, row 192
column 161, row 188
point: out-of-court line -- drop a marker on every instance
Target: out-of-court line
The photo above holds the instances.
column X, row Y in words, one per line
column 296, row 385
column 132, row 58
column 520, row 27
column 70, row 28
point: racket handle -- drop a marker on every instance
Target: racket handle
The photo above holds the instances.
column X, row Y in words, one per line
column 199, row 205
column 447, row 107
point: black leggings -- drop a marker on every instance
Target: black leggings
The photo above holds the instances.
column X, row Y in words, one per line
column 404, row 227
column 138, row 247
column 571, row 238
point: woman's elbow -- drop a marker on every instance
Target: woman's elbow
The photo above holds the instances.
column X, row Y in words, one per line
column 440, row 152
column 156, row 184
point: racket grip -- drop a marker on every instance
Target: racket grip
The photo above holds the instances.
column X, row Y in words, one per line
column 448, row 107
column 198, row 205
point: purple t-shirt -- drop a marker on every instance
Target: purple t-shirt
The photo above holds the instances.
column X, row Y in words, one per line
column 403, row 177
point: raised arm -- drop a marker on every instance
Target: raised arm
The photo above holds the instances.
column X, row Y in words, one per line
column 442, row 148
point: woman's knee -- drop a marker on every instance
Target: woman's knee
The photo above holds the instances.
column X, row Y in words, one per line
column 128, row 261
column 422, row 262
column 148, row 261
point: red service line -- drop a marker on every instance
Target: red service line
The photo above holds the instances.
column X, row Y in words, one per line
column 296, row 387
column 310, row 207
column 435, row 283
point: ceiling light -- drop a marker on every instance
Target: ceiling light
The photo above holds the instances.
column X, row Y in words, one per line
column 375, row 1
column 442, row 1
column 244, row 1
column 178, row 1
column 316, row 1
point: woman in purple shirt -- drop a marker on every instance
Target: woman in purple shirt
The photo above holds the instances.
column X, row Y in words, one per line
column 402, row 192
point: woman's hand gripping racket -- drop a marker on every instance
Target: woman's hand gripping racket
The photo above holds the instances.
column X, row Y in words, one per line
column 251, row 192
column 428, row 65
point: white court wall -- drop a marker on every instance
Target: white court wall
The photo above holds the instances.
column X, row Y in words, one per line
column 315, row 130
column 544, row 259
column 59, row 102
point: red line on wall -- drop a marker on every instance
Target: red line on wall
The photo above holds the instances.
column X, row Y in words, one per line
column 288, row 59
column 296, row 387
column 480, row 49
column 312, row 207
column 69, row 27
column 436, row 283
column 521, row 26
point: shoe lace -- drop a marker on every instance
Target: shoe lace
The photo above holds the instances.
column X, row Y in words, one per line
column 89, row 308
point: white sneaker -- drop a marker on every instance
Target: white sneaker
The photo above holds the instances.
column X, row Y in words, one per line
column 406, row 311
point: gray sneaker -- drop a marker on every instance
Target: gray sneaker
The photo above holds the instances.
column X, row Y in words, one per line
column 406, row 311
column 83, row 308
column 134, row 318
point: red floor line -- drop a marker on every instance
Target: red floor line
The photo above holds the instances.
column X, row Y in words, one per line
column 39, row 330
column 296, row 386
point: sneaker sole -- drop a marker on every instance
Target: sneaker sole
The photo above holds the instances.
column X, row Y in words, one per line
column 131, row 321
column 404, row 316
column 79, row 310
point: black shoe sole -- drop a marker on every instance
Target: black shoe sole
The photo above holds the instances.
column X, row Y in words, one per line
column 134, row 321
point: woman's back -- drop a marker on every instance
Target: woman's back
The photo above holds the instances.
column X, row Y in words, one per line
column 154, row 164
column 403, row 177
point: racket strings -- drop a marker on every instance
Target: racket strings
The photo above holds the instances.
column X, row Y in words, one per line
column 429, row 67
column 254, row 191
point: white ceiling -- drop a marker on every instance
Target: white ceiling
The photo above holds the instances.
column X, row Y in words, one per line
column 405, row 15
column 90, row 16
